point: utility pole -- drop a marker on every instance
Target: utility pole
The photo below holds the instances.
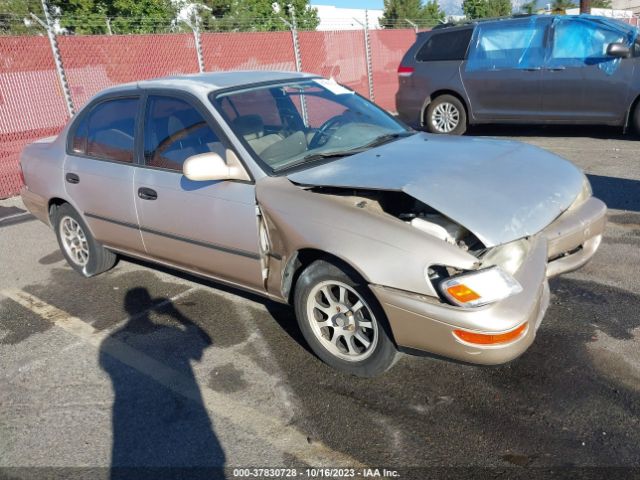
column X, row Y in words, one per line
column 585, row 6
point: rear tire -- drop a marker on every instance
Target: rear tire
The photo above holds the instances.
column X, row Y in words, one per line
column 81, row 251
column 636, row 118
column 342, row 321
column 446, row 114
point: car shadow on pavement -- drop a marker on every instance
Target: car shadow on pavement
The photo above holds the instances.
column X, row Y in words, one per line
column 553, row 131
column 161, row 427
column 620, row 193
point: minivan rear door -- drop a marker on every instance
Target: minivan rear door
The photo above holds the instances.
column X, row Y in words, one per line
column 503, row 71
column 580, row 82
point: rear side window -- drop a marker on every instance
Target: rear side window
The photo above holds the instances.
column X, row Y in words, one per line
column 445, row 46
column 107, row 131
column 174, row 131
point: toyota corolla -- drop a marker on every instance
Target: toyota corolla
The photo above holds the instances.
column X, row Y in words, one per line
column 296, row 188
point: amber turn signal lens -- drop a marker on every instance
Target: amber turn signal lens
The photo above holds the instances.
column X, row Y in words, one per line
column 462, row 293
column 483, row 339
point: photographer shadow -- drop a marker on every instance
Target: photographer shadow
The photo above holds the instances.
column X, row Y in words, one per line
column 161, row 427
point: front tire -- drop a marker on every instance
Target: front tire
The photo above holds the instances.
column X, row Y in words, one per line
column 446, row 114
column 342, row 321
column 82, row 252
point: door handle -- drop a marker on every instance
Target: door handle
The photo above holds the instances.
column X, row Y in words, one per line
column 147, row 193
column 72, row 178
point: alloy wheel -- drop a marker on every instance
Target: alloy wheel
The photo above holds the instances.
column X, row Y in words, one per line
column 342, row 321
column 445, row 117
column 74, row 241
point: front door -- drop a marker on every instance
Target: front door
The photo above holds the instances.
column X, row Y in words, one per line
column 503, row 70
column 580, row 82
column 205, row 226
column 99, row 170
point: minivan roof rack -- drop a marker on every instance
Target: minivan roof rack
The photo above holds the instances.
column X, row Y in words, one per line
column 481, row 20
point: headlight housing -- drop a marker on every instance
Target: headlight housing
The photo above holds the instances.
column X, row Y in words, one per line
column 480, row 287
column 509, row 256
column 584, row 194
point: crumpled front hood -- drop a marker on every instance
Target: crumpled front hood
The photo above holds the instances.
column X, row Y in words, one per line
column 499, row 190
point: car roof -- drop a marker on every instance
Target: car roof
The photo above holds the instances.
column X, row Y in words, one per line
column 210, row 81
column 473, row 23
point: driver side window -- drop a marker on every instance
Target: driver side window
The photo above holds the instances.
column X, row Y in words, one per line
column 174, row 131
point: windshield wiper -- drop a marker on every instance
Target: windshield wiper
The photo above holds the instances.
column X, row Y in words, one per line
column 319, row 156
column 387, row 137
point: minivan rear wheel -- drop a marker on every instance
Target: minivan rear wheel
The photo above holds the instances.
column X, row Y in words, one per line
column 446, row 114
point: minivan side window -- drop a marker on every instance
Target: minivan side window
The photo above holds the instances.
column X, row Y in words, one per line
column 174, row 131
column 507, row 45
column 581, row 42
column 107, row 131
column 445, row 46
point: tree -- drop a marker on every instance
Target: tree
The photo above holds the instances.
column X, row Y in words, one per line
column 601, row 4
column 396, row 12
column 561, row 6
column 486, row 8
column 530, row 7
column 13, row 16
column 265, row 15
column 125, row 16
column 432, row 13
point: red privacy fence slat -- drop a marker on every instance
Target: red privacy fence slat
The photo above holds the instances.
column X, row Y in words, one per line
column 248, row 51
column 95, row 62
column 339, row 54
column 32, row 105
column 31, row 102
column 387, row 49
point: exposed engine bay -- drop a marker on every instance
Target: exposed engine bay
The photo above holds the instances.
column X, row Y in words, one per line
column 411, row 211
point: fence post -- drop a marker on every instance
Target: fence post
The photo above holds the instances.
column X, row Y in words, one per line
column 367, row 51
column 415, row 27
column 57, row 57
column 196, row 36
column 293, row 26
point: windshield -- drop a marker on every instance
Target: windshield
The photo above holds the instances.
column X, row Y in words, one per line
column 291, row 124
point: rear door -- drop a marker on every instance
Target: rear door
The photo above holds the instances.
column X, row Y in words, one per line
column 580, row 82
column 205, row 226
column 503, row 72
column 99, row 168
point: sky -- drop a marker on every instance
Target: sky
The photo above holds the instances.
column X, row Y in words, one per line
column 450, row 6
column 370, row 4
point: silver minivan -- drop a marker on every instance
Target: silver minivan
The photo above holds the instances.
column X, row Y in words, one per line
column 536, row 69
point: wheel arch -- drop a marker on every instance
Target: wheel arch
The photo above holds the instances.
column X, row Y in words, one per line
column 301, row 259
column 439, row 93
column 629, row 121
column 52, row 205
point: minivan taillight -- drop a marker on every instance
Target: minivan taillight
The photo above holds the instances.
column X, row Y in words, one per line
column 405, row 71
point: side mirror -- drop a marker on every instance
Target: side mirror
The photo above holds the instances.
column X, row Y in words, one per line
column 618, row 50
column 211, row 166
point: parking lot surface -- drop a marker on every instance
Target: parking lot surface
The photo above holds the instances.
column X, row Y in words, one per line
column 147, row 367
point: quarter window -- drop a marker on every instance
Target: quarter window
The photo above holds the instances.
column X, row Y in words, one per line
column 107, row 131
column 174, row 131
column 445, row 46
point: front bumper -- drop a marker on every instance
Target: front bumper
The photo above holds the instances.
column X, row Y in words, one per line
column 423, row 323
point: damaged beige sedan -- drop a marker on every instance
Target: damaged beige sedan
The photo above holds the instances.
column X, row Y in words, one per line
column 294, row 187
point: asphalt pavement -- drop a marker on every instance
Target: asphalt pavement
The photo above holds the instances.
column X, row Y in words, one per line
column 162, row 375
